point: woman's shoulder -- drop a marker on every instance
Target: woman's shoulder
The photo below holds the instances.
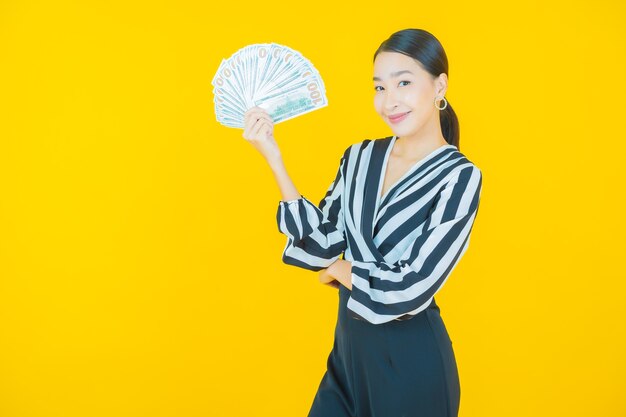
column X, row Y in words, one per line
column 464, row 171
column 464, row 162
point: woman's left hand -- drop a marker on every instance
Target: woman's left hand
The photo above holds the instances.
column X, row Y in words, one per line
column 338, row 273
column 326, row 278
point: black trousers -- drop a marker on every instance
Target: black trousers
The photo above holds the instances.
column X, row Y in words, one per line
column 401, row 368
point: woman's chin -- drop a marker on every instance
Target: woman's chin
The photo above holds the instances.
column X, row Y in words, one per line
column 398, row 131
column 402, row 129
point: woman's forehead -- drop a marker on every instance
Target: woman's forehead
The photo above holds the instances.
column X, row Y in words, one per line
column 394, row 64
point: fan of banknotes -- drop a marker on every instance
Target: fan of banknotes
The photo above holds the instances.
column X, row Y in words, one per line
column 268, row 75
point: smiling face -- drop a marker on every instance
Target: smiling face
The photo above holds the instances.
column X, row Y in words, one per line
column 402, row 88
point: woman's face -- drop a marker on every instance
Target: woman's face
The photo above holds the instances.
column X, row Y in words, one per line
column 402, row 87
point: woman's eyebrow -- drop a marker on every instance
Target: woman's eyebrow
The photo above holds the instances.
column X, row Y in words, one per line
column 395, row 74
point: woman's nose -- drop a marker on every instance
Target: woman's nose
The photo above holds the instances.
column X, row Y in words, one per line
column 390, row 102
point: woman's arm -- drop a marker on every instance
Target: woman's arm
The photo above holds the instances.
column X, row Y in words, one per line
column 315, row 232
column 383, row 291
column 259, row 131
column 287, row 188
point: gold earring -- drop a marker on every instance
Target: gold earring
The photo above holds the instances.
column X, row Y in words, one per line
column 444, row 106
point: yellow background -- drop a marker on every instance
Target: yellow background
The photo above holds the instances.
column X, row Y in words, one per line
column 140, row 260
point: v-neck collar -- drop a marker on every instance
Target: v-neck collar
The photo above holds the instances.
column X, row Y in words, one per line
column 412, row 169
column 374, row 178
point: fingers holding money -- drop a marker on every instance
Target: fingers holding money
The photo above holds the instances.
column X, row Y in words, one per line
column 259, row 131
column 254, row 121
column 258, row 124
column 255, row 113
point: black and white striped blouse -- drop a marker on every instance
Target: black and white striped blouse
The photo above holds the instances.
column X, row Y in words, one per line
column 403, row 245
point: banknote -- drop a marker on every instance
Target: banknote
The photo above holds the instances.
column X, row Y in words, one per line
column 271, row 76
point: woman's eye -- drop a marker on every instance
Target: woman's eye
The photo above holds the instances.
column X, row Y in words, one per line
column 376, row 88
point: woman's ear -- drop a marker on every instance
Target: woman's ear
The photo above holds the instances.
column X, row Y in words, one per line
column 441, row 84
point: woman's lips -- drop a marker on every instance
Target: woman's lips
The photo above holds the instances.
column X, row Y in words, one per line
column 398, row 118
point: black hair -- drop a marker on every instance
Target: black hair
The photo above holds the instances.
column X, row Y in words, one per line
column 422, row 46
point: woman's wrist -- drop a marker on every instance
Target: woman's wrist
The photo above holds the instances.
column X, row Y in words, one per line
column 275, row 162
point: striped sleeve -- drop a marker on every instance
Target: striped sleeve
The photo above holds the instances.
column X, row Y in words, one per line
column 315, row 234
column 382, row 292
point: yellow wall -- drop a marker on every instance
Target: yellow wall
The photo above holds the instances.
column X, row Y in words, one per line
column 140, row 261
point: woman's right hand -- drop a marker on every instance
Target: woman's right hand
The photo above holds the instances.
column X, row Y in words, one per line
column 259, row 131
